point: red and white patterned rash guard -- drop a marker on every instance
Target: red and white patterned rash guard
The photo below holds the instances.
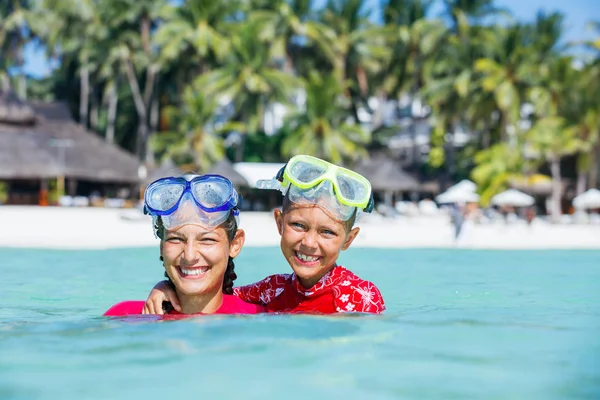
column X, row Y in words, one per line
column 339, row 291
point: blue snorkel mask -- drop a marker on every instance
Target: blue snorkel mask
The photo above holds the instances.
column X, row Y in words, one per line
column 205, row 200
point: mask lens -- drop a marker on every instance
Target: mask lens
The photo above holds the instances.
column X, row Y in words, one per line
column 305, row 172
column 351, row 189
column 163, row 197
column 211, row 194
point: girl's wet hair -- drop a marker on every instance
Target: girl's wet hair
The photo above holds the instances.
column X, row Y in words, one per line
column 287, row 207
column 230, row 226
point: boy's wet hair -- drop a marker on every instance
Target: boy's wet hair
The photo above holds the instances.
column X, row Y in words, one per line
column 287, row 207
column 230, row 226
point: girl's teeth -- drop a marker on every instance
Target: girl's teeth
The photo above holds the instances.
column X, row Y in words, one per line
column 195, row 271
column 304, row 257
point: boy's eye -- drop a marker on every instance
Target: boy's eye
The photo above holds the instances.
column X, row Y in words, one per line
column 329, row 233
column 298, row 225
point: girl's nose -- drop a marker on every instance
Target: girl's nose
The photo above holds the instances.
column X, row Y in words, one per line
column 191, row 253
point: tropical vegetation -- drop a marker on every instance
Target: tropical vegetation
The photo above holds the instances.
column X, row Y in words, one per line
column 191, row 81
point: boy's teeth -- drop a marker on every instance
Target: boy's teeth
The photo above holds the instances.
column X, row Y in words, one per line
column 194, row 271
column 304, row 257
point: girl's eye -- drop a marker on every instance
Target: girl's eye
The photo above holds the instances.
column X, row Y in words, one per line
column 174, row 239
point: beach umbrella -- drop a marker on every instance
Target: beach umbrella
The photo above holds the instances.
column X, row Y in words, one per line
column 513, row 197
column 464, row 185
column 458, row 195
column 587, row 200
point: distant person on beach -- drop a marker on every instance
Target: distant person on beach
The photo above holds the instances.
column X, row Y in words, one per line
column 530, row 215
column 457, row 216
column 316, row 222
column 196, row 219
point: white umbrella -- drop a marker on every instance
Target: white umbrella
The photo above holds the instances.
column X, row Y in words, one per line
column 587, row 200
column 457, row 196
column 464, row 185
column 513, row 197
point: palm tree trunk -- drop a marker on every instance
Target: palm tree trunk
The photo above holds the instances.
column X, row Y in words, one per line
column 555, row 207
column 140, row 107
column 503, row 126
column 154, row 119
column 113, row 99
column 582, row 167
column 4, row 82
column 84, row 95
column 451, row 152
column 22, row 92
column 594, row 166
column 486, row 135
column 94, row 112
column 378, row 112
column 239, row 150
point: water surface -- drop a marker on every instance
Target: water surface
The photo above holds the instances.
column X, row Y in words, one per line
column 460, row 324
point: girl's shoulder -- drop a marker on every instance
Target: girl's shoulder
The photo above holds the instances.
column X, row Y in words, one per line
column 129, row 307
column 234, row 305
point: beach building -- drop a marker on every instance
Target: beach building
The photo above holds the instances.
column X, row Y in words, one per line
column 45, row 156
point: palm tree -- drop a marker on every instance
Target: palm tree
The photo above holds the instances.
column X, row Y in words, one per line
column 321, row 128
column 358, row 47
column 14, row 33
column 193, row 137
column 495, row 168
column 288, row 26
column 135, row 21
column 195, row 33
column 552, row 139
column 463, row 13
column 73, row 31
column 249, row 80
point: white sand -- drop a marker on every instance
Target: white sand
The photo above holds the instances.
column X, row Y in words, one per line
column 98, row 228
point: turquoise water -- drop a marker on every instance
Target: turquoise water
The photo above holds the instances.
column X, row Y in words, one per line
column 460, row 324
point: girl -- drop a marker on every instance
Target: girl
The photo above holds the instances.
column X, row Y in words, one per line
column 320, row 206
column 196, row 219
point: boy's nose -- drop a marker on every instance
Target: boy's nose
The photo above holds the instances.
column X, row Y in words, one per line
column 310, row 239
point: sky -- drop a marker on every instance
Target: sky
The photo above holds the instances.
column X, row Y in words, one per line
column 577, row 14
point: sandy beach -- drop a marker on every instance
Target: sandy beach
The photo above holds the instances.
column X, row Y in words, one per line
column 101, row 228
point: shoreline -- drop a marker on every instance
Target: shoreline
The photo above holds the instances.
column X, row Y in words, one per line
column 103, row 228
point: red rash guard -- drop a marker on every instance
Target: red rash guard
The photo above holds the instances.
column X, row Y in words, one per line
column 231, row 305
column 338, row 291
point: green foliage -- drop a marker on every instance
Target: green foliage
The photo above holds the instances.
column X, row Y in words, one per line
column 321, row 129
column 208, row 68
column 192, row 138
column 496, row 166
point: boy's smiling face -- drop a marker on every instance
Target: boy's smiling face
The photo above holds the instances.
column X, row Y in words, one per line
column 311, row 241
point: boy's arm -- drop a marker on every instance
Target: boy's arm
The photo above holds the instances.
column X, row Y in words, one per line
column 359, row 296
column 262, row 292
column 160, row 293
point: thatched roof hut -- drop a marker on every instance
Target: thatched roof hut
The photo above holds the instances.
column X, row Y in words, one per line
column 166, row 169
column 51, row 144
column 15, row 111
column 386, row 175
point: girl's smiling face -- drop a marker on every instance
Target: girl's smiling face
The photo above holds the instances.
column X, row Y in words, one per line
column 196, row 258
column 311, row 241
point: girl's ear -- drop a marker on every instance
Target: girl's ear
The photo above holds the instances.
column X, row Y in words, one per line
column 350, row 237
column 278, row 220
column 237, row 243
